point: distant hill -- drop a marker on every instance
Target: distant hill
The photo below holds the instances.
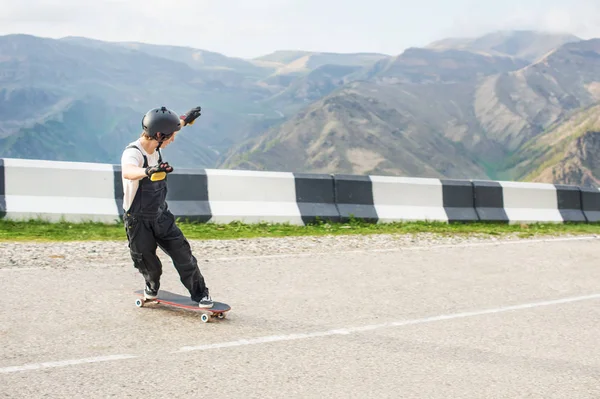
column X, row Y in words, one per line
column 522, row 44
column 510, row 105
column 433, row 113
column 567, row 152
column 366, row 128
column 426, row 66
column 517, row 106
column 40, row 78
column 195, row 58
column 290, row 66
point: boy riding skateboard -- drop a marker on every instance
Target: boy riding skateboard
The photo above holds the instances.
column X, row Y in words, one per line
column 148, row 221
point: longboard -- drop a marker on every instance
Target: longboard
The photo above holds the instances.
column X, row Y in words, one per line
column 218, row 310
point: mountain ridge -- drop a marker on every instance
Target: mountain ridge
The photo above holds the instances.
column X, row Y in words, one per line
column 456, row 108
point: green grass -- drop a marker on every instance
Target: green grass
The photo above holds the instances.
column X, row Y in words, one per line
column 35, row 230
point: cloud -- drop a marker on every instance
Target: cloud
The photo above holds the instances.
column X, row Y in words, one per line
column 249, row 28
column 159, row 21
column 578, row 17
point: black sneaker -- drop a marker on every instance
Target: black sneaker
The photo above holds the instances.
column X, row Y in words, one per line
column 149, row 294
column 206, row 302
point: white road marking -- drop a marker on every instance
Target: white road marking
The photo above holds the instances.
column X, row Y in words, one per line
column 300, row 336
column 357, row 251
column 350, row 330
column 62, row 363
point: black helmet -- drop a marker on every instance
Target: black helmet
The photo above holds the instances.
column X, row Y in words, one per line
column 161, row 120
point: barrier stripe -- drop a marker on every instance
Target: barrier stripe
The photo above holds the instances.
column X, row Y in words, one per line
column 530, row 202
column 398, row 199
column 354, row 197
column 252, row 197
column 590, row 200
column 2, row 190
column 53, row 190
column 458, row 200
column 187, row 195
column 79, row 191
column 315, row 196
column 118, row 190
column 489, row 201
column 569, row 203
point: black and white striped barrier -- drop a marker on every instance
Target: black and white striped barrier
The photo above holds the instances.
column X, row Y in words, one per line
column 76, row 191
column 224, row 196
column 518, row 202
column 384, row 199
column 53, row 190
column 590, row 201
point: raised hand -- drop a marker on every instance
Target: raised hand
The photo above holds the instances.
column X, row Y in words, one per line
column 190, row 116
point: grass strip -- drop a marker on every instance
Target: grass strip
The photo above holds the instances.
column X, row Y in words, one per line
column 37, row 230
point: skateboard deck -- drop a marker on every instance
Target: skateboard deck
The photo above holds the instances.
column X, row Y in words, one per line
column 218, row 310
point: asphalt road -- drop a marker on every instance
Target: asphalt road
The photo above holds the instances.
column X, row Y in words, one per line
column 513, row 320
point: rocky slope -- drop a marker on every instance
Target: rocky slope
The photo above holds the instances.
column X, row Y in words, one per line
column 458, row 108
column 568, row 152
column 522, row 44
column 366, row 128
column 432, row 113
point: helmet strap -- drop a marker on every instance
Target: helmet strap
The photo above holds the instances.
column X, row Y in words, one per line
column 163, row 138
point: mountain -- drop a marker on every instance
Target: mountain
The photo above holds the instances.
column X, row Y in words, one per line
column 567, row 152
column 457, row 108
column 426, row 66
column 579, row 164
column 515, row 107
column 366, row 128
column 306, row 61
column 108, row 129
column 432, row 113
column 311, row 87
column 522, row 44
column 292, row 66
column 40, row 77
column 195, row 58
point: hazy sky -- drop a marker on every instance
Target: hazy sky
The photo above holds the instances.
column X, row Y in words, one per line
column 249, row 28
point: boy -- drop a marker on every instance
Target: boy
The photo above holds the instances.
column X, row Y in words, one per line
column 148, row 221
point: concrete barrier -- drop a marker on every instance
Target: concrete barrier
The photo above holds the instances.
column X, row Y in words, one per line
column 76, row 191
column 590, row 200
column 534, row 202
column 315, row 196
column 252, row 197
column 2, row 191
column 520, row 202
column 569, row 203
column 354, row 198
column 459, row 200
column 385, row 199
column 489, row 201
column 187, row 195
column 51, row 190
column 398, row 199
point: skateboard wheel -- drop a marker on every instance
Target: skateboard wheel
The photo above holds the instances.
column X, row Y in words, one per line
column 204, row 318
column 221, row 315
column 139, row 303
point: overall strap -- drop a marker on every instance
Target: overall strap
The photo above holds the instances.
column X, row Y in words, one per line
column 145, row 159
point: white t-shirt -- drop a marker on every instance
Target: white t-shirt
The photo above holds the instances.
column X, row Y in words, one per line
column 134, row 157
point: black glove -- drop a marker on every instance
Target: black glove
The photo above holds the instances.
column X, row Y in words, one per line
column 158, row 172
column 190, row 116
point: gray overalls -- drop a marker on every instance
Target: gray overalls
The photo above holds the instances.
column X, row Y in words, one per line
column 149, row 223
